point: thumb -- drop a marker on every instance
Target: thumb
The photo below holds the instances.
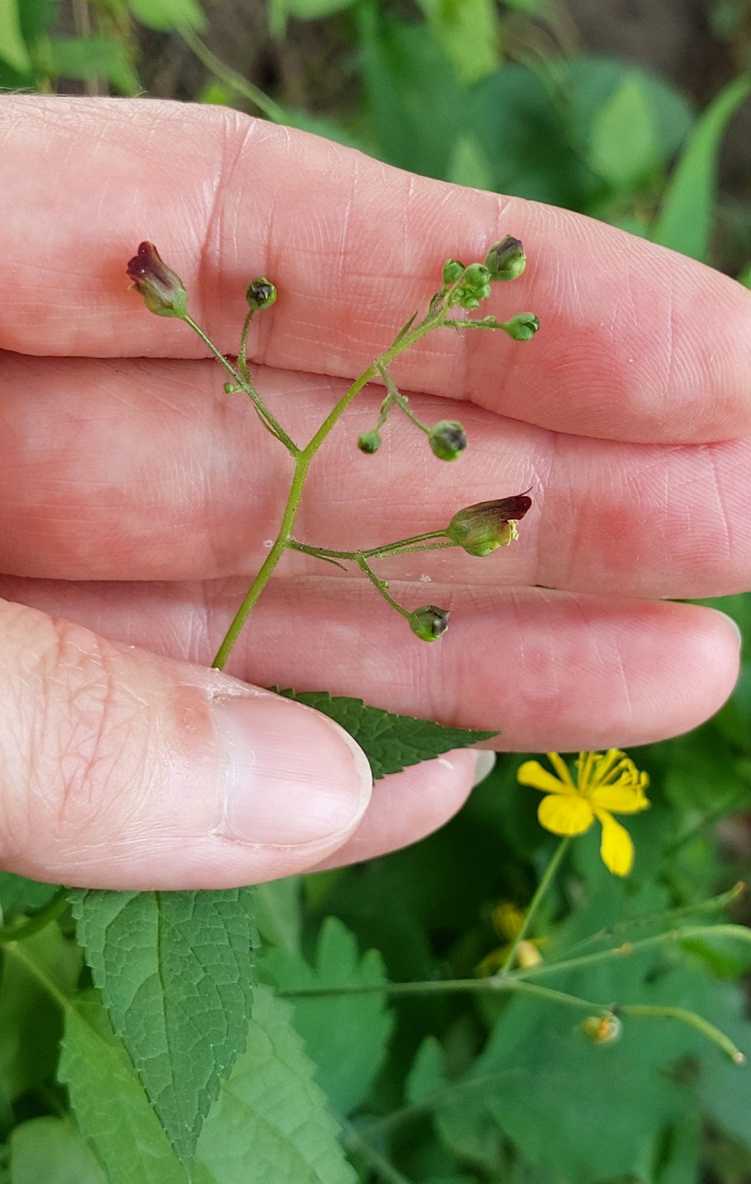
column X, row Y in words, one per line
column 120, row 769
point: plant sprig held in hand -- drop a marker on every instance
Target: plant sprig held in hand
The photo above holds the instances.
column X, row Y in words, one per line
column 478, row 529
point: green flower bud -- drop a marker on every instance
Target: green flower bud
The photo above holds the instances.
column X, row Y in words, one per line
column 369, row 442
column 602, row 1029
column 452, row 269
column 429, row 623
column 523, row 326
column 162, row 289
column 484, row 527
column 447, row 439
column 506, row 260
column 474, row 288
column 261, row 293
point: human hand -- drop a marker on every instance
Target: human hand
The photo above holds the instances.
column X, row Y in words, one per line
column 136, row 497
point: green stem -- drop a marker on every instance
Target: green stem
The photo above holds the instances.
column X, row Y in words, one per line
column 628, row 949
column 713, row 904
column 303, row 458
column 267, row 568
column 399, row 547
column 377, row 1163
column 45, row 916
column 401, row 400
column 242, row 353
column 234, row 80
column 381, row 586
column 246, row 386
column 692, row 1020
column 534, row 904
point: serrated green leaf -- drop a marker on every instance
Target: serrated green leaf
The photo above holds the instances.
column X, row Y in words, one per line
column 269, row 1124
column 169, row 14
column 111, row 1108
column 685, row 219
column 624, row 148
column 51, row 1151
column 176, row 973
column 12, row 45
column 390, row 742
column 346, row 1035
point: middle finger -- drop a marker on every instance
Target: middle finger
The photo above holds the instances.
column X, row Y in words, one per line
column 147, row 470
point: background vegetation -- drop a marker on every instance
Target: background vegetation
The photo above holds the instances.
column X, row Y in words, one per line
column 623, row 111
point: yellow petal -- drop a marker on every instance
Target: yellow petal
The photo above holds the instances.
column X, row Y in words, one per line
column 561, row 768
column 569, row 815
column 616, row 847
column 534, row 774
column 623, row 799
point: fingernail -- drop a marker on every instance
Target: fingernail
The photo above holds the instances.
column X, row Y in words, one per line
column 293, row 776
column 484, row 766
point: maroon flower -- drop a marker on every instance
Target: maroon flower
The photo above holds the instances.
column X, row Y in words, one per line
column 482, row 528
column 162, row 289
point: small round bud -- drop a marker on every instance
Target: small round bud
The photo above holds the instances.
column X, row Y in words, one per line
column 474, row 288
column 369, row 442
column 484, row 527
column 429, row 623
column 261, row 293
column 602, row 1029
column 229, row 388
column 522, row 327
column 447, row 439
column 162, row 289
column 452, row 269
column 506, row 260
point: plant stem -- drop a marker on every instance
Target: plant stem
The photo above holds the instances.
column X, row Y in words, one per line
column 232, row 79
column 355, row 1143
column 534, row 904
column 381, row 586
column 401, row 400
column 303, row 458
column 692, row 1020
column 45, row 916
column 245, row 385
column 398, row 548
column 713, row 904
column 267, row 567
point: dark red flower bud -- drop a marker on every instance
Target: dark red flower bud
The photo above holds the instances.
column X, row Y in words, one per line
column 482, row 528
column 162, row 289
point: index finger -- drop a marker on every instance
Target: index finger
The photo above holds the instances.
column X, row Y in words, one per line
column 638, row 343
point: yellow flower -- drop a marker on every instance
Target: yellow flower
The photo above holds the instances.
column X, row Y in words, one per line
column 606, row 783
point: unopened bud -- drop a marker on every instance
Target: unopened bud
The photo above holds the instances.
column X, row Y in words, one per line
column 474, row 288
column 602, row 1029
column 447, row 439
column 506, row 260
column 261, row 293
column 452, row 269
column 369, row 442
column 162, row 289
column 429, row 623
column 484, row 527
column 523, row 326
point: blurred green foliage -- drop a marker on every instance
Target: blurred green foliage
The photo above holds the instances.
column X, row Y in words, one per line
column 473, row 1089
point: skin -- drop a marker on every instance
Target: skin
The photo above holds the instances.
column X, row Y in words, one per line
column 136, row 497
